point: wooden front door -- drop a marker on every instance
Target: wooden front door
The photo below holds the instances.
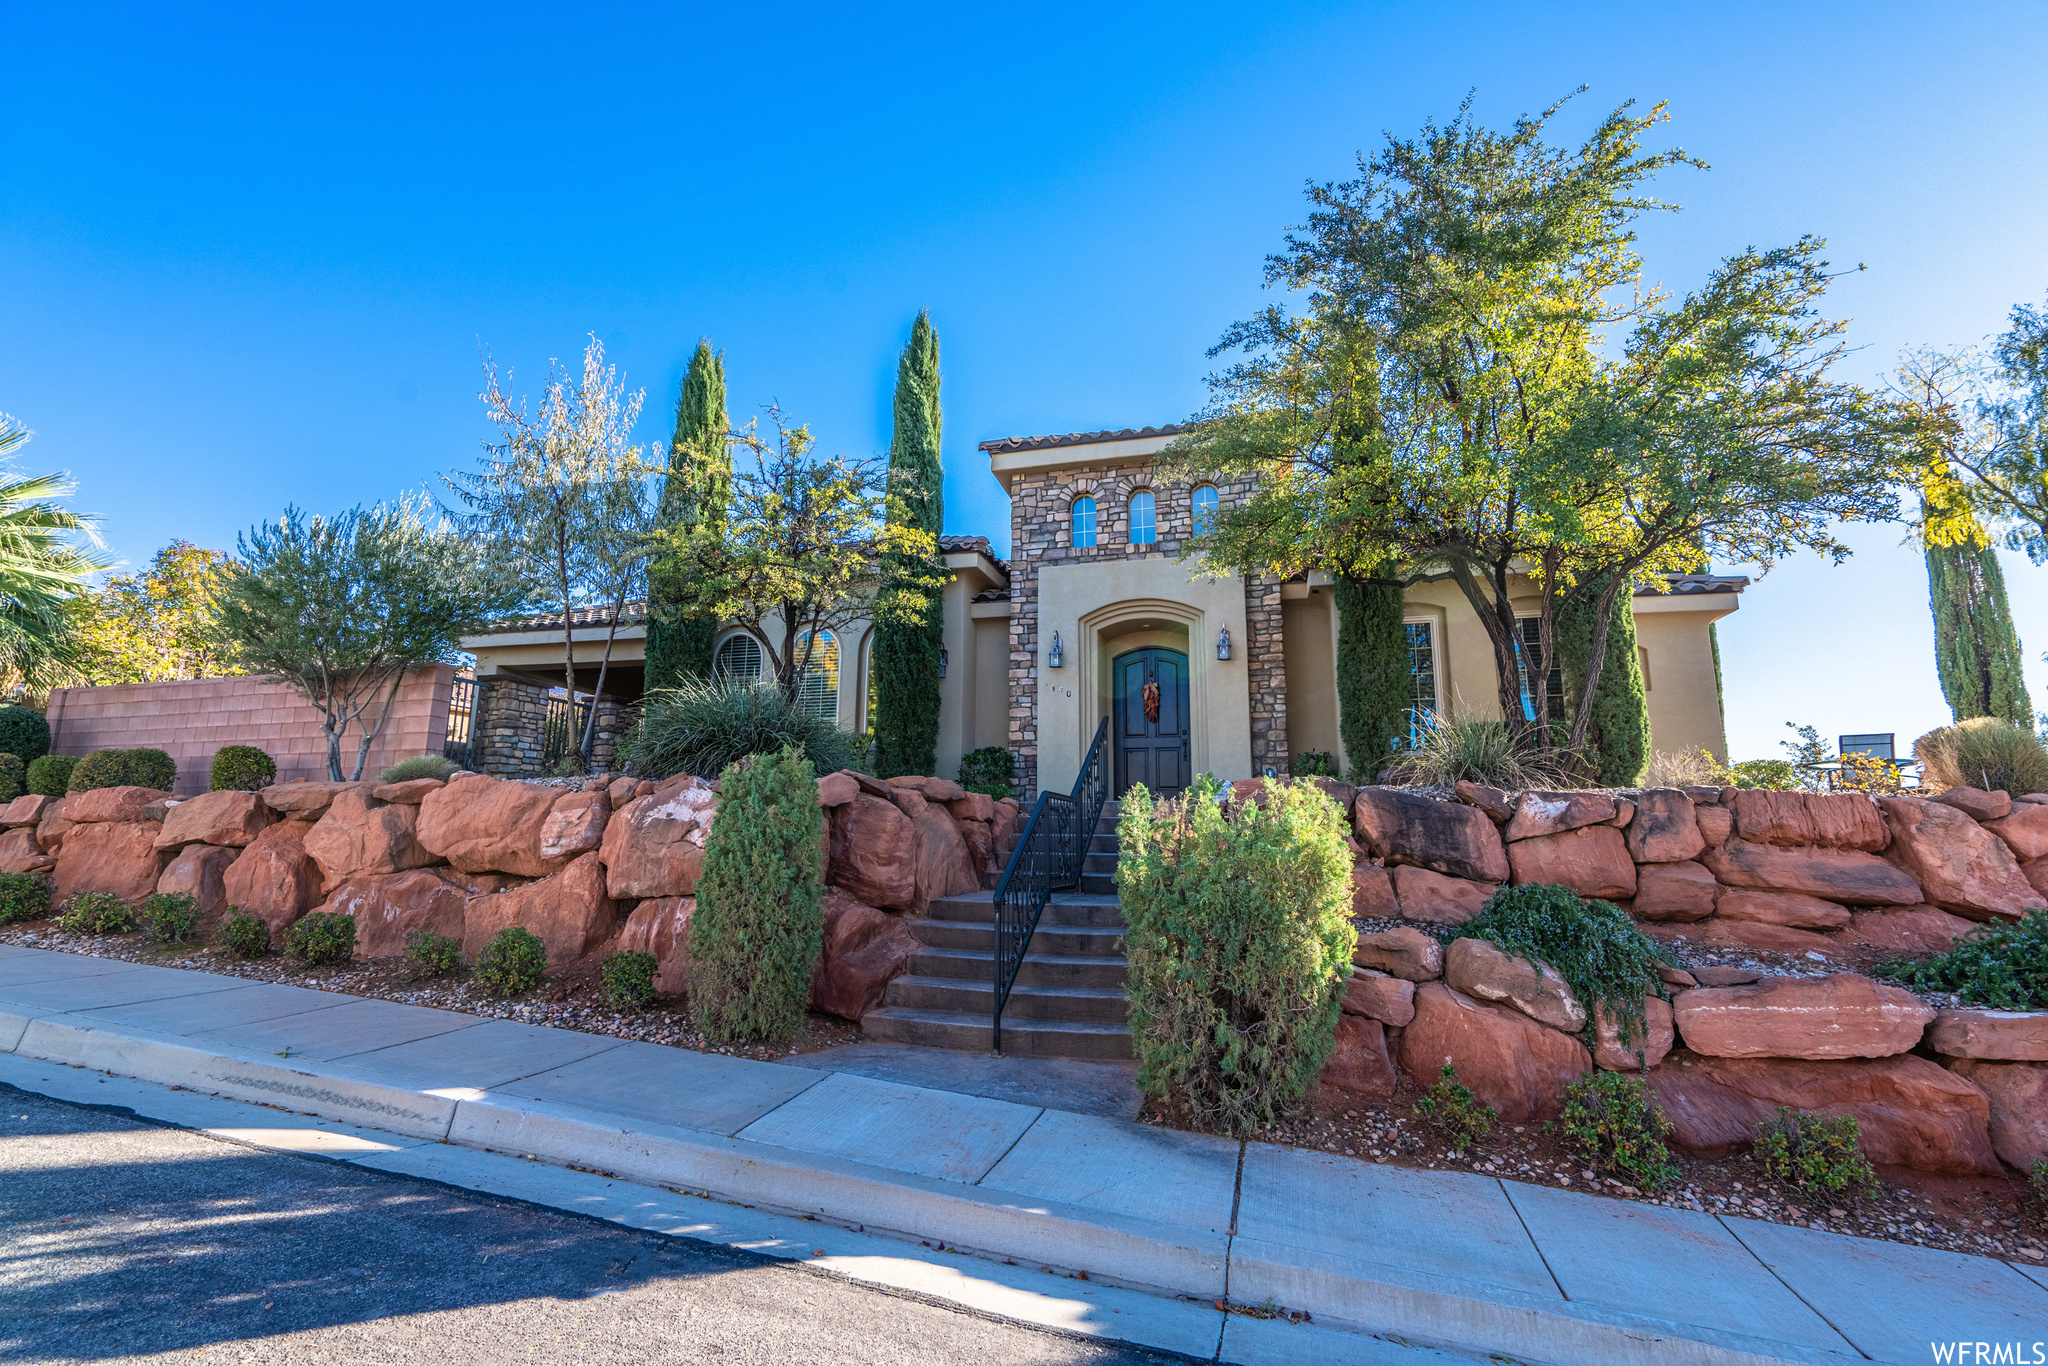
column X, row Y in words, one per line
column 1149, row 725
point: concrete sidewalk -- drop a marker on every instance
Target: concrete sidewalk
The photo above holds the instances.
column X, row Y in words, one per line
column 1462, row 1261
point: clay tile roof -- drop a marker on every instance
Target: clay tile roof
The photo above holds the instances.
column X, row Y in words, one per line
column 993, row 595
column 598, row 614
column 1041, row 443
column 1695, row 583
column 973, row 545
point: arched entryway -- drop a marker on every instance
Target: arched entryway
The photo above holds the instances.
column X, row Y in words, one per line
column 1149, row 722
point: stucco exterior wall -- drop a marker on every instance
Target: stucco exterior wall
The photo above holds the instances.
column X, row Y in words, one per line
column 1312, row 673
column 1678, row 655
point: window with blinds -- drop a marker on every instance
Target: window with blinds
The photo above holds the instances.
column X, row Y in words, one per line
column 818, row 692
column 1531, row 642
column 1422, row 703
column 739, row 657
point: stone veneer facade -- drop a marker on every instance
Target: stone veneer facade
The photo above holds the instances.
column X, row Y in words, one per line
column 1040, row 536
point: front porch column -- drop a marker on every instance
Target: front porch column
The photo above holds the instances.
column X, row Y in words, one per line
column 1265, row 652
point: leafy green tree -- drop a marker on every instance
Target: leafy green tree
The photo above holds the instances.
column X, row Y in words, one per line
column 341, row 607
column 43, row 573
column 1616, row 750
column 1976, row 648
column 759, row 922
column 1987, row 417
column 1374, row 683
column 156, row 625
column 906, row 650
column 695, row 492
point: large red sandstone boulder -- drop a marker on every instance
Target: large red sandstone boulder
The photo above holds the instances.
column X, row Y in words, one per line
column 1993, row 1035
column 1831, row 820
column 19, row 853
column 1742, row 934
column 834, row 789
column 51, row 829
column 387, row 907
column 1592, row 861
column 275, row 878
column 1839, row 1016
column 575, row 824
column 25, row 811
column 1423, row 895
column 1977, row 804
column 200, row 872
column 1444, row 837
column 2025, row 831
column 1674, row 891
column 1716, row 823
column 111, row 804
column 975, row 806
column 661, row 926
column 1483, row 972
column 1372, row 893
column 654, row 845
column 110, row 856
column 1390, row 1000
column 1553, row 813
column 1343, row 793
column 356, row 838
column 1665, row 829
column 1511, row 1063
column 489, row 825
column 304, row 801
column 569, row 911
column 1359, row 1065
column 863, row 951
column 874, row 853
column 1498, row 805
column 1911, row 1112
column 1960, row 865
column 2035, row 871
column 411, row 792
column 1401, row 952
column 231, row 819
column 1849, row 875
column 1654, row 1044
column 1783, row 908
column 1917, row 929
column 981, row 844
column 2018, row 1094
column 944, row 865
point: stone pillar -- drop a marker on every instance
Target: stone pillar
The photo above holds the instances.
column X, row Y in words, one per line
column 507, row 729
column 611, row 728
column 1032, row 529
column 1265, row 655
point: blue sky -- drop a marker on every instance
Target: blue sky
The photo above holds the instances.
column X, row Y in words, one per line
column 248, row 255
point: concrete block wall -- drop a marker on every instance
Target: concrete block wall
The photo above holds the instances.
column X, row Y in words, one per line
column 191, row 720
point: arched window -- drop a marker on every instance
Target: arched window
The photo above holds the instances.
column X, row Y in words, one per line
column 739, row 657
column 1205, row 508
column 1143, row 532
column 818, row 692
column 1084, row 522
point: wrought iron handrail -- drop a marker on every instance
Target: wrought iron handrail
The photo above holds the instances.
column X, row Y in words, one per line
column 1048, row 858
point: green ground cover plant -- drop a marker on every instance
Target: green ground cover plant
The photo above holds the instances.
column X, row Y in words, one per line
column 1821, row 1154
column 629, row 980
column 1593, row 945
column 432, row 955
column 2001, row 965
column 420, row 766
column 1450, row 1105
column 241, row 768
column 243, row 934
column 1240, row 941
column 513, row 961
column 1616, row 1123
column 169, row 917
column 324, row 937
column 23, row 896
column 759, row 922
column 50, row 776
column 96, row 913
column 987, row 770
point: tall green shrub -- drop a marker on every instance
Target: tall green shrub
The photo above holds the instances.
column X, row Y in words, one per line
column 759, row 922
column 1618, row 735
column 906, row 654
column 1240, row 941
column 1375, row 685
column 241, row 768
column 23, row 731
column 50, row 776
column 13, row 777
column 1976, row 649
column 695, row 493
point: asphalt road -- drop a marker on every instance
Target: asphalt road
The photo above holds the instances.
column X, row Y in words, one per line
column 121, row 1240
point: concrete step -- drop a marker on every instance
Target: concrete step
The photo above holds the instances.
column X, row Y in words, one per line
column 1024, row 1038
column 1065, row 908
column 1027, row 1001
column 1099, row 884
column 1050, row 970
column 1098, row 863
column 1090, row 940
column 1104, row 844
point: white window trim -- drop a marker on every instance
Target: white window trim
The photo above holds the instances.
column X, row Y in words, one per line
column 718, row 648
column 1131, row 517
column 1436, row 651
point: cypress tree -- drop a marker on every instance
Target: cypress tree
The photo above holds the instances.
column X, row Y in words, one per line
column 1976, row 649
column 1374, row 685
column 905, row 660
column 693, row 494
column 1617, row 747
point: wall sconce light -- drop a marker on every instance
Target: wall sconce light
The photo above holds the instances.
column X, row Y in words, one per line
column 942, row 661
column 1223, row 643
column 1053, row 659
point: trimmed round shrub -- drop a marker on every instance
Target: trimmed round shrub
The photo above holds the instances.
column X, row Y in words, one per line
column 169, row 916
column 101, row 768
column 629, row 979
column 322, row 937
column 703, row 725
column 96, row 913
column 50, row 776
column 420, row 766
column 242, row 768
column 512, row 962
column 23, row 896
column 23, row 731
column 13, row 777
column 150, row 768
column 243, row 934
column 432, row 955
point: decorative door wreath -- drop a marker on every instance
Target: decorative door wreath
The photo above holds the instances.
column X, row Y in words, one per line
column 1151, row 696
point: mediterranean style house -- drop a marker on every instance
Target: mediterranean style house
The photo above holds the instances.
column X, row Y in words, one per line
column 1094, row 615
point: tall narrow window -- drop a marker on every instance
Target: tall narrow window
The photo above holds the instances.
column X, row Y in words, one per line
column 1422, row 703
column 1532, row 637
column 739, row 657
column 1205, row 508
column 1143, row 531
column 1084, row 522
column 818, row 691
